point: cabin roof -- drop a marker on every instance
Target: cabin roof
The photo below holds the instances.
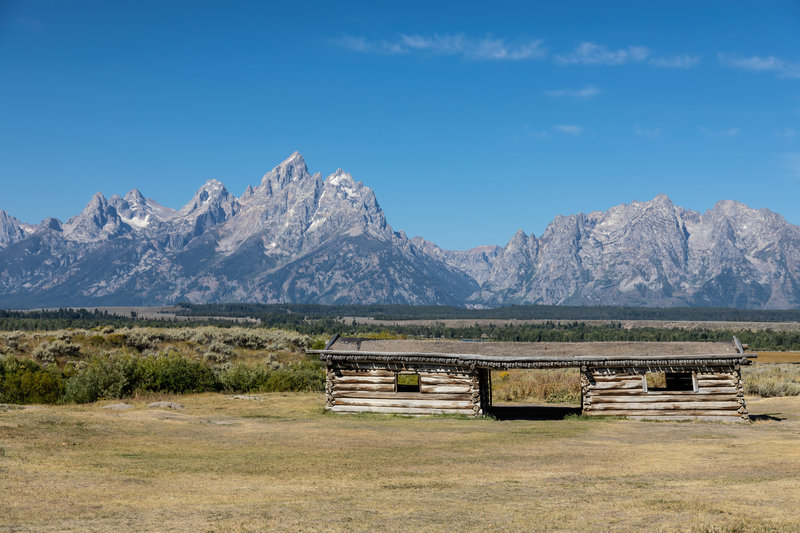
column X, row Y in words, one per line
column 532, row 354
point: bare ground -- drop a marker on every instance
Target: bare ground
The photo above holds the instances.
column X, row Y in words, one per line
column 278, row 462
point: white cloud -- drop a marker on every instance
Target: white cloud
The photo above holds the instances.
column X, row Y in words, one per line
column 684, row 61
column 725, row 132
column 569, row 129
column 485, row 49
column 762, row 64
column 589, row 53
column 499, row 49
column 640, row 131
column 786, row 133
column 539, row 134
column 585, row 93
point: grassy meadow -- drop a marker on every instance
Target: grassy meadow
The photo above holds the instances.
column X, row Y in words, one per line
column 277, row 461
column 240, row 457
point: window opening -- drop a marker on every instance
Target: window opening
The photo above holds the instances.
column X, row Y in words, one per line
column 406, row 382
column 669, row 381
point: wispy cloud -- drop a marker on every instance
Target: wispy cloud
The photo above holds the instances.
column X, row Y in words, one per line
column 589, row 53
column 725, row 132
column 499, row 49
column 590, row 91
column 559, row 129
column 786, row 133
column 538, row 134
column 568, row 129
column 483, row 49
column 641, row 131
column 684, row 61
column 781, row 67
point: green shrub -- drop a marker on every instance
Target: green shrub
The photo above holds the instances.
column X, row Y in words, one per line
column 49, row 352
column 24, row 381
column 141, row 340
column 102, row 377
column 243, row 378
column 114, row 340
column 302, row 376
column 169, row 372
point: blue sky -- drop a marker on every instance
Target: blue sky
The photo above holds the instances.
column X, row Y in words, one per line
column 469, row 120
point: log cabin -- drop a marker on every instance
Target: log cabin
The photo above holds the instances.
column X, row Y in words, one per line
column 660, row 380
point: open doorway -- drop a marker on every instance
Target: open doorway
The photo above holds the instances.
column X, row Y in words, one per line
column 535, row 394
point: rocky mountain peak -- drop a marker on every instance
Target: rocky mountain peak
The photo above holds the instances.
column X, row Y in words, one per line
column 293, row 169
column 10, row 230
column 99, row 220
column 212, row 195
column 297, row 237
column 138, row 211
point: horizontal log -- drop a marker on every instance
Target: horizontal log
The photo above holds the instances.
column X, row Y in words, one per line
column 428, row 404
column 616, row 377
column 399, row 410
column 683, row 414
column 711, row 377
column 364, row 387
column 618, row 385
column 444, row 375
column 717, row 382
column 398, row 367
column 365, row 379
column 658, row 397
column 428, row 380
column 373, row 372
column 408, row 395
column 634, row 392
column 659, row 406
column 443, row 389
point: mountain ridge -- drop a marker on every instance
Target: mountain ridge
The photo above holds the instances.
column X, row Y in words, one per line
column 296, row 237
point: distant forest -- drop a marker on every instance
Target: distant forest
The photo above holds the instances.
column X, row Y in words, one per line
column 327, row 320
column 519, row 312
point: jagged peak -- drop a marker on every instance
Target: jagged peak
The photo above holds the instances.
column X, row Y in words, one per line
column 340, row 177
column 211, row 192
column 519, row 238
column 51, row 223
column 294, row 161
column 727, row 206
column 291, row 169
column 295, row 157
column 661, row 198
column 212, row 184
column 97, row 199
column 134, row 195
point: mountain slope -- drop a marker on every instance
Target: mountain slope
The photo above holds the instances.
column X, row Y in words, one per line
column 296, row 237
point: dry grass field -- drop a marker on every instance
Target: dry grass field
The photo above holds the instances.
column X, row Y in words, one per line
column 280, row 463
column 778, row 357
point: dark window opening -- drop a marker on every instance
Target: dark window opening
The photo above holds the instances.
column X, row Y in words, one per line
column 407, row 382
column 669, row 381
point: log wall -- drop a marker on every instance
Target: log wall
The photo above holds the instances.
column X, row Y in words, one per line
column 621, row 392
column 370, row 387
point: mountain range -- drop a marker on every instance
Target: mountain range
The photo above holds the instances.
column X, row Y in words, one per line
column 297, row 237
